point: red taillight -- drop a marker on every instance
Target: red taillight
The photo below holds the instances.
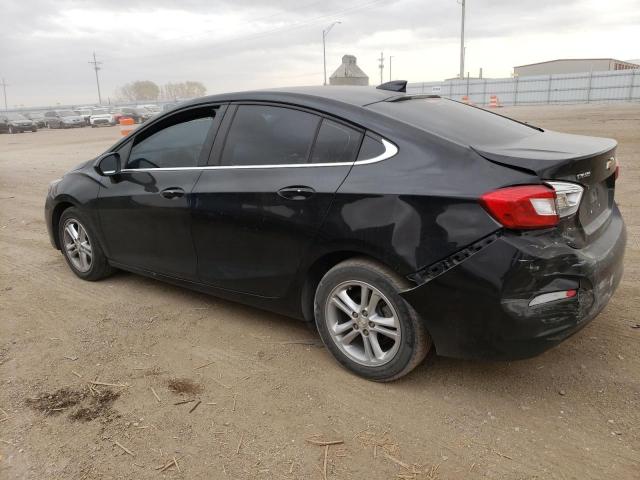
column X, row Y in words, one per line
column 523, row 206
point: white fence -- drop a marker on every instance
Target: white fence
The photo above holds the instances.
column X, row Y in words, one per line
column 610, row 86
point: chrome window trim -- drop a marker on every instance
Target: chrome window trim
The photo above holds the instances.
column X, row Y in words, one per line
column 390, row 150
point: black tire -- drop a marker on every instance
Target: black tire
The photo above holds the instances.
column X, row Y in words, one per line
column 414, row 343
column 99, row 266
column 11, row 129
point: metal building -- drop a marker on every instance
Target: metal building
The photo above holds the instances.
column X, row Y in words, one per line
column 572, row 65
column 349, row 73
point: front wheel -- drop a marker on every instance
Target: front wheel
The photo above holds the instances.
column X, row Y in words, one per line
column 80, row 247
column 365, row 323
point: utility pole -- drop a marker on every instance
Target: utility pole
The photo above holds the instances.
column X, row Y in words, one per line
column 96, row 66
column 4, row 91
column 462, row 52
column 390, row 58
column 325, row 32
column 381, row 66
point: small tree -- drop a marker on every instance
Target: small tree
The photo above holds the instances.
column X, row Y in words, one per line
column 189, row 89
column 139, row 90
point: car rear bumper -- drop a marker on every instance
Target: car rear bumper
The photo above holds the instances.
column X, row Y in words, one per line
column 476, row 305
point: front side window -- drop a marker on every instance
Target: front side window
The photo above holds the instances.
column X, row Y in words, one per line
column 266, row 135
column 175, row 143
column 336, row 143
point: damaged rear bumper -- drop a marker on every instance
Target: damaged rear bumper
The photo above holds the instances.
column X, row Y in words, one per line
column 477, row 304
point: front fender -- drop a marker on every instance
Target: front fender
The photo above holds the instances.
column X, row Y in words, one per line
column 77, row 189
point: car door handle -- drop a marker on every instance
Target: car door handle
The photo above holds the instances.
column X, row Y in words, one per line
column 172, row 192
column 296, row 192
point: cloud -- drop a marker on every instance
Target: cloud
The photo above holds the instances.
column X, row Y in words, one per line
column 45, row 46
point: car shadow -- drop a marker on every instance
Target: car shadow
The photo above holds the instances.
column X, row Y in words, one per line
column 518, row 379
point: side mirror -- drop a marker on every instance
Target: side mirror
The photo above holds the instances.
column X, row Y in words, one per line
column 108, row 164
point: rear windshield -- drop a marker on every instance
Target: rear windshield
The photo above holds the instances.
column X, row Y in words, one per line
column 456, row 121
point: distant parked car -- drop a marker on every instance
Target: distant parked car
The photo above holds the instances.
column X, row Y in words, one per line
column 130, row 112
column 37, row 118
column 168, row 106
column 16, row 123
column 101, row 116
column 85, row 113
column 63, row 119
column 139, row 115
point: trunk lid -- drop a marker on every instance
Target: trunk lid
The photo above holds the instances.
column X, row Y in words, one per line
column 587, row 161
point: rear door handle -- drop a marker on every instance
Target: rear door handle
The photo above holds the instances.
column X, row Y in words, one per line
column 172, row 192
column 296, row 192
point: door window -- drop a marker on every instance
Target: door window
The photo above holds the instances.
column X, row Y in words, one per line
column 267, row 135
column 336, row 143
column 173, row 143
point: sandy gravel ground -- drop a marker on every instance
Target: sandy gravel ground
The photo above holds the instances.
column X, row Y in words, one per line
column 264, row 384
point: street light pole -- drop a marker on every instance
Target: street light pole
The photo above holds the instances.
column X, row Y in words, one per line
column 390, row 58
column 462, row 52
column 4, row 91
column 325, row 32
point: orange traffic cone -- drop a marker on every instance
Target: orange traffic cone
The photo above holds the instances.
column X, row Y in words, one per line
column 465, row 99
column 126, row 126
column 493, row 102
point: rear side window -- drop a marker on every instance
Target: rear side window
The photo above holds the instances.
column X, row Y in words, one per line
column 336, row 143
column 267, row 135
column 175, row 143
column 371, row 148
column 455, row 121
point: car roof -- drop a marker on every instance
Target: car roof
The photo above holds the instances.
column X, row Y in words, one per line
column 351, row 95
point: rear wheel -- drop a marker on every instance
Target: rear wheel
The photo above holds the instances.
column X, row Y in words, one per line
column 80, row 248
column 365, row 323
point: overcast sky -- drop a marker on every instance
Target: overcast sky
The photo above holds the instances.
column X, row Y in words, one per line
column 234, row 45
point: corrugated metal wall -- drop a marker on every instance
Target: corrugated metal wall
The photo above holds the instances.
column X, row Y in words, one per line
column 609, row 86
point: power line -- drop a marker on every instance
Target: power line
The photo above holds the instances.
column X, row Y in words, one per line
column 96, row 66
column 4, row 90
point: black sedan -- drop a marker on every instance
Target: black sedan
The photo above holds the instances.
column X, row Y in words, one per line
column 396, row 223
column 16, row 123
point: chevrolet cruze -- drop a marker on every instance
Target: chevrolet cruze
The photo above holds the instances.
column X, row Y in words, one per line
column 396, row 223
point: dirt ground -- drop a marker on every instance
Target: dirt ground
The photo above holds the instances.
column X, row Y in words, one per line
column 266, row 388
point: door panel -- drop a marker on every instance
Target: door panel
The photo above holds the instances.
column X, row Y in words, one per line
column 145, row 211
column 257, row 213
column 248, row 237
column 143, row 228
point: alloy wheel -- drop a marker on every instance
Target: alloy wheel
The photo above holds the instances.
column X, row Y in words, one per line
column 363, row 323
column 77, row 245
